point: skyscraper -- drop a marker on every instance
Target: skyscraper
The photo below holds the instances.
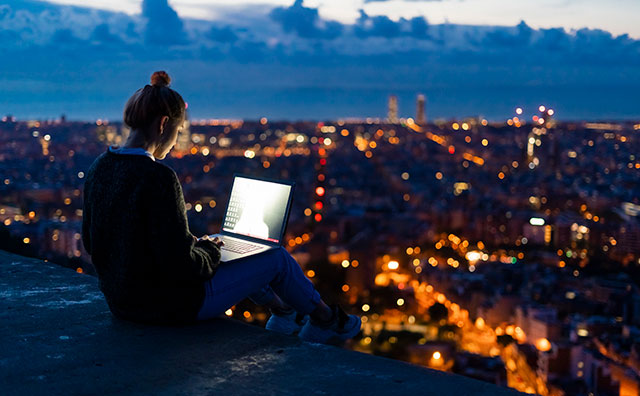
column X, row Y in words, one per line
column 393, row 109
column 421, row 114
column 542, row 123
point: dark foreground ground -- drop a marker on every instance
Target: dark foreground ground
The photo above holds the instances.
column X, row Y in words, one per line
column 57, row 336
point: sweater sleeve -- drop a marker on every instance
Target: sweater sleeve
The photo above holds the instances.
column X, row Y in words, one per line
column 175, row 248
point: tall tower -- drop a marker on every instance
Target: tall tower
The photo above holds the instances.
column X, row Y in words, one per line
column 541, row 125
column 393, row 109
column 421, row 115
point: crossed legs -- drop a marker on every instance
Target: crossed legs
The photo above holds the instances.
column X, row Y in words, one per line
column 273, row 279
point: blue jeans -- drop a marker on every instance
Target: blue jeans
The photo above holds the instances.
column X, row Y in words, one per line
column 260, row 277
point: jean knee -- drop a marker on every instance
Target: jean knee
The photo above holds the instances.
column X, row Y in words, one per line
column 273, row 260
column 284, row 261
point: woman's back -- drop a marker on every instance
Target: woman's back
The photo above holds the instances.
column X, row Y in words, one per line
column 135, row 228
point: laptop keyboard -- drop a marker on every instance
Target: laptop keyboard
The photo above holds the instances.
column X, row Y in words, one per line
column 236, row 246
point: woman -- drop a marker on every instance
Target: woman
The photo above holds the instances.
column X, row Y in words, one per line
column 152, row 269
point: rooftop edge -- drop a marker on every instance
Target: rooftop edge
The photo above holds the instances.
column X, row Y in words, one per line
column 58, row 338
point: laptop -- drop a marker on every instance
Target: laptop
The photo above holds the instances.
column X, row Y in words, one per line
column 256, row 217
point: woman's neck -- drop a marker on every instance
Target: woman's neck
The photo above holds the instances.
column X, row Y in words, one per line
column 136, row 140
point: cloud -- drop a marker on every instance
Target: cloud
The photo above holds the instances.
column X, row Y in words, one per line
column 383, row 26
column 5, row 10
column 65, row 36
column 224, row 34
column 258, row 50
column 305, row 22
column 519, row 36
column 554, row 40
column 299, row 34
column 164, row 26
column 36, row 23
column 380, row 26
column 597, row 40
column 102, row 34
column 419, row 27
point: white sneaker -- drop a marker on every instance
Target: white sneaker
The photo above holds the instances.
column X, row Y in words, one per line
column 286, row 324
column 340, row 329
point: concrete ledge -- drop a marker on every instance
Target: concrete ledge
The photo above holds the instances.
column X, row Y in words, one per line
column 57, row 337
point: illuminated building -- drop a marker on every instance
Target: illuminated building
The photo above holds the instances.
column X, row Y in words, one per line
column 421, row 113
column 541, row 125
column 44, row 142
column 393, row 109
column 64, row 239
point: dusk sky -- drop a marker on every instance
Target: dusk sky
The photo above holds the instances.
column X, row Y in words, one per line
column 617, row 16
column 323, row 59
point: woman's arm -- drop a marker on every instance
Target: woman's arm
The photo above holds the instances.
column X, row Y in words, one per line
column 175, row 248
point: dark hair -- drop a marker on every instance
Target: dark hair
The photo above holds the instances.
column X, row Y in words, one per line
column 152, row 101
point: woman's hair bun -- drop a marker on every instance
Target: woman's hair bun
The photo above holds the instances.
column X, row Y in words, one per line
column 160, row 79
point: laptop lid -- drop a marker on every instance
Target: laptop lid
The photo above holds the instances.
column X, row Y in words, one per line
column 258, row 209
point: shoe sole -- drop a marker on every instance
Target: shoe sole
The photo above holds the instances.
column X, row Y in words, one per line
column 288, row 328
column 335, row 339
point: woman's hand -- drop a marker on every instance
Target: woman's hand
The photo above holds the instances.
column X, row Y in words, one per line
column 215, row 240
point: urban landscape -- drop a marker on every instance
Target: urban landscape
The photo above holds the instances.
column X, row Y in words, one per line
column 506, row 251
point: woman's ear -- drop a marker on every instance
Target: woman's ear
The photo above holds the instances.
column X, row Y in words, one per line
column 163, row 124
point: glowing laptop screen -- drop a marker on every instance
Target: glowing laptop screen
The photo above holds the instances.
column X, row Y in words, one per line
column 257, row 209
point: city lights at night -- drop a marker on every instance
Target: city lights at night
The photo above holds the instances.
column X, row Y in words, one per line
column 469, row 189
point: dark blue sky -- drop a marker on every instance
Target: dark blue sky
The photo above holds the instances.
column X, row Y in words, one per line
column 289, row 62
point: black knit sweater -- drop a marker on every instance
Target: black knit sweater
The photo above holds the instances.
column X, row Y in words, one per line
column 151, row 267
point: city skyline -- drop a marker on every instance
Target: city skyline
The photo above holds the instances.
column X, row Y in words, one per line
column 506, row 252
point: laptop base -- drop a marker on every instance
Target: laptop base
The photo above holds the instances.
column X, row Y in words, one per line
column 227, row 255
